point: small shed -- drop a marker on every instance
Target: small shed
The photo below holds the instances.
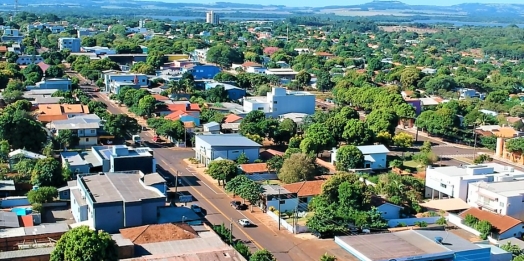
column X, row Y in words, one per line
column 212, row 127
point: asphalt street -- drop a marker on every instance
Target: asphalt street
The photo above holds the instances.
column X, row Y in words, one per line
column 284, row 245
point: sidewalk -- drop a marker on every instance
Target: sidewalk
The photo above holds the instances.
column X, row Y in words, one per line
column 425, row 135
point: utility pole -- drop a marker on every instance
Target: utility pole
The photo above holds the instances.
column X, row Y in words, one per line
column 231, row 231
column 176, row 182
column 295, row 221
column 474, row 142
column 279, row 214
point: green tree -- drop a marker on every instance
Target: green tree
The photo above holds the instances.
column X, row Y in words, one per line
column 275, row 163
column 42, row 195
column 144, row 68
column 222, row 170
column 426, row 147
column 513, row 249
column 66, row 138
column 382, row 120
column 242, row 159
column 262, row 255
column 172, row 129
column 320, row 135
column 20, row 129
column 349, row 157
column 251, row 191
column 298, row 167
column 47, row 172
column 357, row 133
column 235, row 184
column 121, row 125
column 403, row 140
column 224, row 55
column 303, row 78
column 84, row 244
column 147, row 105
column 324, row 82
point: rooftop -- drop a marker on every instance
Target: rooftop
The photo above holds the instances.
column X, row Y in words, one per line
column 493, row 169
column 506, row 188
column 254, row 168
column 8, row 219
column 373, row 149
column 227, row 140
column 211, row 124
column 230, row 118
column 274, row 190
column 27, row 154
column 500, row 222
column 450, row 204
column 153, row 178
column 73, row 158
column 406, row 244
column 88, row 121
column 108, row 152
column 305, row 188
column 116, row 187
column 7, row 185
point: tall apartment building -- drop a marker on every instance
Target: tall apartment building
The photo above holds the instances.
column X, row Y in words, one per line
column 212, row 18
column 70, row 43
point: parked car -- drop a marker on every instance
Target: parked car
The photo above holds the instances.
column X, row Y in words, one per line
column 196, row 208
column 245, row 222
column 238, row 205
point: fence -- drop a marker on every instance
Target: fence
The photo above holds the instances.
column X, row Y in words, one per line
column 412, row 221
column 298, row 228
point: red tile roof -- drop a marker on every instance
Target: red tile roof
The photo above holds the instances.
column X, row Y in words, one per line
column 251, row 64
column 270, row 50
column 159, row 97
column 175, row 115
column 183, row 107
column 500, row 222
column 254, row 168
column 231, row 118
column 305, row 188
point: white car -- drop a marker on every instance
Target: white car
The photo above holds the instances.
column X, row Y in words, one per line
column 245, row 222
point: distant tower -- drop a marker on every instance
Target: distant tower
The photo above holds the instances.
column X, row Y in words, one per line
column 16, row 8
column 212, row 18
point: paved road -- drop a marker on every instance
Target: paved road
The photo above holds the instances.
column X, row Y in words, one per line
column 285, row 246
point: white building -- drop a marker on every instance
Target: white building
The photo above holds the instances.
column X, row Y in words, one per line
column 70, row 43
column 212, row 18
column 12, row 35
column 453, row 181
column 114, row 80
column 470, row 93
column 505, row 197
column 279, row 101
column 83, row 32
column 375, row 156
column 225, row 146
column 62, row 84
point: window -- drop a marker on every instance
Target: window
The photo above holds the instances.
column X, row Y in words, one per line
column 501, row 204
column 92, row 131
column 87, row 139
column 275, row 102
column 260, row 108
column 443, row 185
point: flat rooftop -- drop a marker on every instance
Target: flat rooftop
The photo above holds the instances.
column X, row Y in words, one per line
column 227, row 140
column 406, row 244
column 458, row 171
column 505, row 188
column 118, row 187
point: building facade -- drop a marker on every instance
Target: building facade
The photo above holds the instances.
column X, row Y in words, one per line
column 72, row 44
column 212, row 18
column 122, row 158
column 114, row 81
column 503, row 197
column 61, row 84
column 225, row 146
column 279, row 101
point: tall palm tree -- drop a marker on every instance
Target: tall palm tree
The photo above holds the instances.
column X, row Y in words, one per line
column 174, row 87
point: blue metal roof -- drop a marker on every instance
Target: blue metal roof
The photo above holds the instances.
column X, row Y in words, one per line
column 227, row 140
column 211, row 124
column 373, row 149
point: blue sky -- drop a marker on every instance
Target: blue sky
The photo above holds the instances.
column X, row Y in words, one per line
column 344, row 2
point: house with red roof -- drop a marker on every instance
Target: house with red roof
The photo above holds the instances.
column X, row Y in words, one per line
column 233, row 118
column 270, row 50
column 185, row 112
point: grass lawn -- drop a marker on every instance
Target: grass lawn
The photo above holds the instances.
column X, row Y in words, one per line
column 411, row 164
column 301, row 221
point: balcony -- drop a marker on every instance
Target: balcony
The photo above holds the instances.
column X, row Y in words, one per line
column 486, row 206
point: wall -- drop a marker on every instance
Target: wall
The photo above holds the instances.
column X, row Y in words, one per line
column 254, row 105
column 132, row 214
column 109, row 217
column 456, row 187
column 297, row 229
column 150, row 209
column 14, row 202
column 290, row 204
column 11, row 243
column 234, row 153
column 481, row 254
column 79, row 168
column 236, row 94
column 144, row 164
column 389, row 211
column 411, row 221
column 282, row 104
column 205, row 71
column 380, row 161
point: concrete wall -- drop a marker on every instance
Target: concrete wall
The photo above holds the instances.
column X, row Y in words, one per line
column 290, row 204
column 389, row 211
column 109, row 217
column 14, row 202
column 132, row 214
column 380, row 161
column 293, row 229
column 411, row 221
column 150, row 210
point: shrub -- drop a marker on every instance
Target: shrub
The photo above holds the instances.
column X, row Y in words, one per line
column 37, row 207
column 421, row 224
column 272, row 209
column 402, row 224
column 441, row 221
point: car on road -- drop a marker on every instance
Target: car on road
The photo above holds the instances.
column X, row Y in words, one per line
column 245, row 222
column 196, row 208
column 238, row 205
